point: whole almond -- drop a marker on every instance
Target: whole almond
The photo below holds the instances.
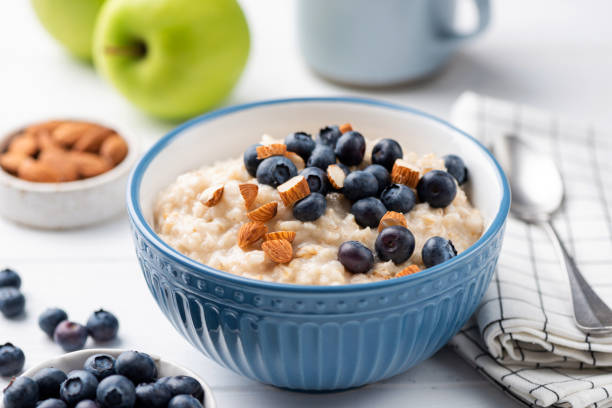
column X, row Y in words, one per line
column 91, row 139
column 61, row 162
column 250, row 233
column 114, row 149
column 46, row 127
column 89, row 164
column 264, row 213
column 24, row 143
column 33, row 170
column 68, row 133
column 10, row 161
column 279, row 250
column 46, row 142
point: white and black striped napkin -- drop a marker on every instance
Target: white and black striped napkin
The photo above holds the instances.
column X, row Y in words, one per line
column 522, row 336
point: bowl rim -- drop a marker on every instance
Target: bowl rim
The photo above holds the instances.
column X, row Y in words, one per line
column 208, row 393
column 140, row 223
column 109, row 176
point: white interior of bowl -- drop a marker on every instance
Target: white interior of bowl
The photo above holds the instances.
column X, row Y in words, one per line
column 229, row 135
column 75, row 361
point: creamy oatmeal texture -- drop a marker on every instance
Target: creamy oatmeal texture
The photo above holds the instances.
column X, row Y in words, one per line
column 209, row 234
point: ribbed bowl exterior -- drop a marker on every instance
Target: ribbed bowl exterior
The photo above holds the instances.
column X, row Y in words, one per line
column 313, row 340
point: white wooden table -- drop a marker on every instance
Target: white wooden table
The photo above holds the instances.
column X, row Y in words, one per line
column 555, row 54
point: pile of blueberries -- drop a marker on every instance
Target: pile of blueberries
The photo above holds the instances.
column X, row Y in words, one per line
column 12, row 301
column 102, row 326
column 370, row 191
column 129, row 381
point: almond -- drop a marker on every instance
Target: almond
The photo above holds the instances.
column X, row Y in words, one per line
column 10, row 161
column 89, row 164
column 405, row 173
column 409, row 270
column 33, row 170
column 293, row 190
column 248, row 192
column 392, row 218
column 46, row 142
column 212, row 195
column 250, row 233
column 346, row 128
column 296, row 159
column 91, row 139
column 264, row 213
column 279, row 250
column 288, row 235
column 114, row 149
column 336, row 176
column 274, row 149
column 44, row 127
column 24, row 143
column 68, row 133
column 60, row 161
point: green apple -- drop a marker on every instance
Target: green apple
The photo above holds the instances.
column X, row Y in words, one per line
column 71, row 22
column 172, row 58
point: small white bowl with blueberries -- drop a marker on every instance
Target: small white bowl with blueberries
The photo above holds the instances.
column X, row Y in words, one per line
column 108, row 378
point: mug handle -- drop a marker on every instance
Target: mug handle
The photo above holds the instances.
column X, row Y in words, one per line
column 484, row 17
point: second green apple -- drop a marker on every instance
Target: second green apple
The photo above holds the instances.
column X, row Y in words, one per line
column 172, row 58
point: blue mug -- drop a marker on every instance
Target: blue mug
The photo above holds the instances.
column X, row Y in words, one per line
column 380, row 42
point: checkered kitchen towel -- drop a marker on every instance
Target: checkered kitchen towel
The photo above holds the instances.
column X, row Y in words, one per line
column 522, row 336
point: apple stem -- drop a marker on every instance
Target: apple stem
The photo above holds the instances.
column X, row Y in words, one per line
column 135, row 50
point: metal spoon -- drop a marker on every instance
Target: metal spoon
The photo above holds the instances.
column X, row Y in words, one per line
column 537, row 194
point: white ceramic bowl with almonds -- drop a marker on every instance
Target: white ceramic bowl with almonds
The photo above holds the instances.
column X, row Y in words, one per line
column 61, row 174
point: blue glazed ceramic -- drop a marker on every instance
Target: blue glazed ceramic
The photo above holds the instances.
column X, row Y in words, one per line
column 382, row 42
column 313, row 337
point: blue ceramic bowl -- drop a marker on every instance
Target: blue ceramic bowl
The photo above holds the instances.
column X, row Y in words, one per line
column 314, row 337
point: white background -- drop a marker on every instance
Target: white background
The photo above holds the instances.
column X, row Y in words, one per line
column 554, row 54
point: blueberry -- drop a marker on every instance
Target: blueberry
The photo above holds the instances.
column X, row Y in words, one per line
column 100, row 365
column 184, row 401
column 398, row 197
column 70, row 336
column 138, row 367
column 102, row 325
column 381, row 174
column 22, row 392
column 52, row 403
column 355, row 257
column 116, row 391
column 456, row 167
column 368, row 212
column 317, row 180
column 437, row 188
column 310, row 208
column 275, row 170
column 251, row 162
column 87, row 404
column 395, row 243
column 329, row 136
column 437, row 250
column 351, row 148
column 360, row 184
column 12, row 302
column 11, row 360
column 9, row 278
column 79, row 385
column 183, row 384
column 153, row 395
column 300, row 143
column 385, row 152
column 49, row 381
column 50, row 318
column 321, row 157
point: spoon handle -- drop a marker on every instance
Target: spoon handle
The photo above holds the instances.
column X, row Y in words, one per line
column 591, row 313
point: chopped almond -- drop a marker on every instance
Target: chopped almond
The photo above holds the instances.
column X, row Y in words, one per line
column 288, row 235
column 336, row 176
column 392, row 218
column 248, row 191
column 264, row 213
column 212, row 195
column 346, row 128
column 250, row 233
column 296, row 159
column 405, row 173
column 274, row 149
column 293, row 190
column 279, row 250
column 409, row 270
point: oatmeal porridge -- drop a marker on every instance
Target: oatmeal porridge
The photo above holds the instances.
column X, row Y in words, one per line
column 290, row 211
